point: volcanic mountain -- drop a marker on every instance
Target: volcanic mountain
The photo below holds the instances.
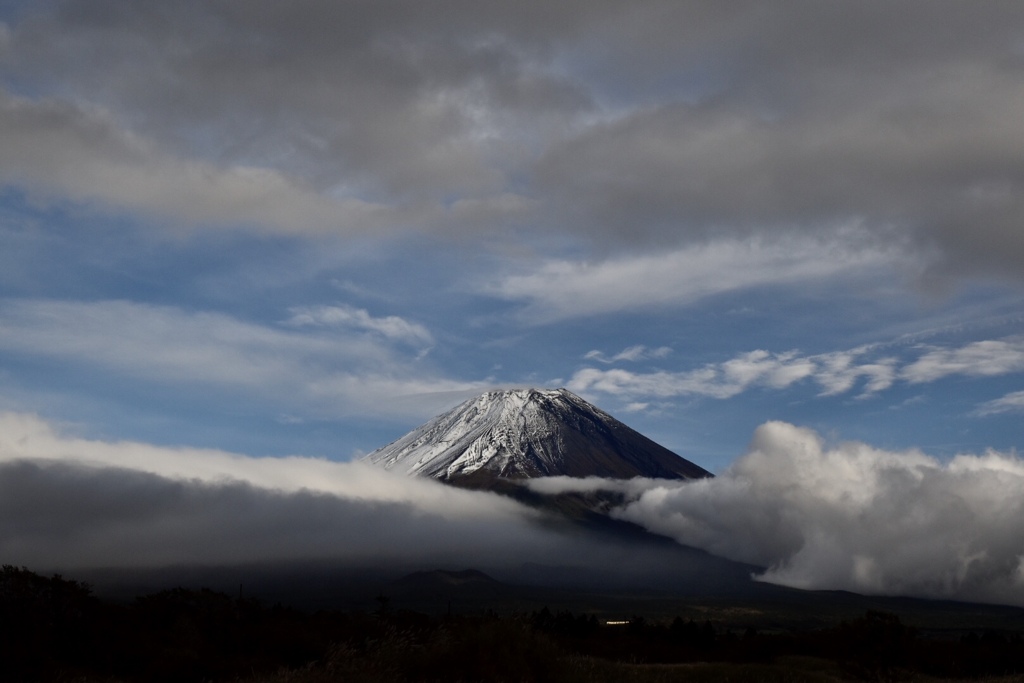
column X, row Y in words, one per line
column 525, row 433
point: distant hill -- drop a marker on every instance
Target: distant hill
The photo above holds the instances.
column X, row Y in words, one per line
column 468, row 584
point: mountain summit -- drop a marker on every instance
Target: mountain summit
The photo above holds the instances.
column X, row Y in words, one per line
column 525, row 433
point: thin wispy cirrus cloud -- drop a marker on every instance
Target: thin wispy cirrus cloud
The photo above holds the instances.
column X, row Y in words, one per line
column 633, row 353
column 317, row 373
column 391, row 327
column 835, row 373
column 562, row 289
column 1011, row 403
column 978, row 359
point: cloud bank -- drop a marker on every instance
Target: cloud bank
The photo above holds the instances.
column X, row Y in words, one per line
column 71, row 503
column 848, row 517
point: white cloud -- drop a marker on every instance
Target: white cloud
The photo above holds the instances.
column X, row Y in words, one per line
column 299, row 371
column 836, row 373
column 634, row 353
column 558, row 290
column 777, row 371
column 848, row 517
column 632, row 488
column 390, row 327
column 661, row 384
column 1011, row 403
column 724, row 380
column 978, row 359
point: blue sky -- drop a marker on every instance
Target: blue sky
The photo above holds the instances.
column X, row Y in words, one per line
column 305, row 228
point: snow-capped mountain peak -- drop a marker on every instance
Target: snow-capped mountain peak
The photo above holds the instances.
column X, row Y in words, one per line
column 522, row 433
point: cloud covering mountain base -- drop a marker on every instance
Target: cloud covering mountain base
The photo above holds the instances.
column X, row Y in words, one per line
column 848, row 516
column 71, row 504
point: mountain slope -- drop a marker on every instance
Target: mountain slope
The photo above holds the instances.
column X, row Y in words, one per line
column 526, row 433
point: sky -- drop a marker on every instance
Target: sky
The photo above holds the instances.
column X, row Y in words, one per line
column 302, row 229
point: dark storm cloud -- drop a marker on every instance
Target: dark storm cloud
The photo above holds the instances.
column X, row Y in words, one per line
column 644, row 124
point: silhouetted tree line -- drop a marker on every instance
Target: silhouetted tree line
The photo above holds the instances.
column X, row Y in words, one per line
column 875, row 647
column 55, row 629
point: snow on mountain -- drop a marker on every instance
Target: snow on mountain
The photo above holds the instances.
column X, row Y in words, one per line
column 525, row 433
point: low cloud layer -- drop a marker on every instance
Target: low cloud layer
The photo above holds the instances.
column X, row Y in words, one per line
column 848, row 517
column 72, row 503
column 845, row 517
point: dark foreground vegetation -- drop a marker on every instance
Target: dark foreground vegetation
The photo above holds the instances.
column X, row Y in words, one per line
column 54, row 629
